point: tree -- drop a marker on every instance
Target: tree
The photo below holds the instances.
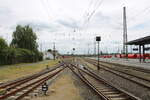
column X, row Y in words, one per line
column 49, row 50
column 3, row 44
column 24, row 37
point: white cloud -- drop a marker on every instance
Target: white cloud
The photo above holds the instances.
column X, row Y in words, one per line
column 65, row 21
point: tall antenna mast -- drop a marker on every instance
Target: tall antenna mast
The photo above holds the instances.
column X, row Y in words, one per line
column 125, row 39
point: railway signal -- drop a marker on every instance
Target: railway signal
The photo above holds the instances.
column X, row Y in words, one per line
column 45, row 88
column 98, row 39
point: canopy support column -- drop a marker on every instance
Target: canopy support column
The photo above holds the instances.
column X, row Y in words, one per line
column 140, row 53
column 143, row 53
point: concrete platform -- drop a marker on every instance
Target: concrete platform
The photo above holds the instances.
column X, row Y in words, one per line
column 128, row 62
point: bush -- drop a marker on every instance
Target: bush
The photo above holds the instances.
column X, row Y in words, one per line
column 47, row 58
column 40, row 58
column 3, row 45
column 18, row 55
column 24, row 55
column 8, row 56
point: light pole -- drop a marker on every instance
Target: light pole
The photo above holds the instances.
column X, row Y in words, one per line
column 54, row 51
column 73, row 53
column 98, row 39
column 73, row 50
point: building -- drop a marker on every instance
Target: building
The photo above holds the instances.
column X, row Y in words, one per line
column 49, row 54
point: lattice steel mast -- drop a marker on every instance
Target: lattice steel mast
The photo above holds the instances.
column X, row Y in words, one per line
column 125, row 38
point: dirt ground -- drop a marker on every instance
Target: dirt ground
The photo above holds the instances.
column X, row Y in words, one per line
column 63, row 88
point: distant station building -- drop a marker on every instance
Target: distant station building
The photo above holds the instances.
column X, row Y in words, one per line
column 49, row 54
column 141, row 43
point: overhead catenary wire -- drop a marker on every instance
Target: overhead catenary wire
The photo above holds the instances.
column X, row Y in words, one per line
column 94, row 11
column 139, row 14
column 89, row 13
column 133, row 17
column 50, row 15
column 45, row 7
column 91, row 10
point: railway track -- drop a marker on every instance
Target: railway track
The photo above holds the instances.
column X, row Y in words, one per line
column 128, row 67
column 138, row 79
column 18, row 89
column 12, row 84
column 105, row 90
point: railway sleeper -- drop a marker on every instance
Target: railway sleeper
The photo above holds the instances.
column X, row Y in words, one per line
column 115, row 95
column 110, row 92
column 105, row 89
column 26, row 98
column 12, row 98
column 120, row 98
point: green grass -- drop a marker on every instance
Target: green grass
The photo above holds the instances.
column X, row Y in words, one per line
column 11, row 72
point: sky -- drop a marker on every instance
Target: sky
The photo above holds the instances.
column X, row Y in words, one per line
column 75, row 23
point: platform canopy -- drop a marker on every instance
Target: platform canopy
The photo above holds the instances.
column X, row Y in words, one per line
column 140, row 41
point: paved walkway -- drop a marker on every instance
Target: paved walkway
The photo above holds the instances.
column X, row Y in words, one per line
column 129, row 62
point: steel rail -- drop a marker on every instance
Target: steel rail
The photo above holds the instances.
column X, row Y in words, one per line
column 26, row 79
column 90, row 85
column 30, row 84
column 103, row 82
column 123, row 76
column 37, row 85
